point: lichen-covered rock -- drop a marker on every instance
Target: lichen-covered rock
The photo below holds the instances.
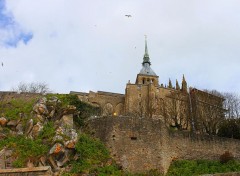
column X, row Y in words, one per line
column 13, row 122
column 40, row 107
column 29, row 126
column 40, row 118
column 57, row 148
column 3, row 121
column 67, row 121
column 70, row 144
column 36, row 129
column 52, row 113
column 19, row 129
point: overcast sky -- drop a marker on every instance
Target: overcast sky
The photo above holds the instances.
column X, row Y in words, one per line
column 83, row 45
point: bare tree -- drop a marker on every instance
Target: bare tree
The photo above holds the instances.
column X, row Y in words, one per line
column 34, row 87
column 209, row 111
column 176, row 108
column 232, row 105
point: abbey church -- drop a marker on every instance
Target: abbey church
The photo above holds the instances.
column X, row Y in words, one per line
column 176, row 105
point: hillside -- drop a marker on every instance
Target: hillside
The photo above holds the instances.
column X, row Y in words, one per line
column 37, row 130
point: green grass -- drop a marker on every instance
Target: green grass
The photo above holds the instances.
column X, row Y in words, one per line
column 198, row 167
column 24, row 149
column 92, row 153
column 13, row 109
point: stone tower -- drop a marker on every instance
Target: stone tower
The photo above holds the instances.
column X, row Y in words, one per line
column 140, row 97
column 146, row 75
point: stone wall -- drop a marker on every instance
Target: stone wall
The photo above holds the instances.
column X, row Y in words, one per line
column 6, row 96
column 110, row 103
column 36, row 171
column 142, row 144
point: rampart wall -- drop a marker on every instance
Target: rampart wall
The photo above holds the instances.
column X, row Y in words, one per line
column 143, row 144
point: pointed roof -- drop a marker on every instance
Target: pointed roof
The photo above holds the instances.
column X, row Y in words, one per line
column 146, row 69
column 146, row 58
column 183, row 79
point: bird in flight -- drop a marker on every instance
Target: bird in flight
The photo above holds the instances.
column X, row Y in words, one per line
column 128, row 16
column 2, row 64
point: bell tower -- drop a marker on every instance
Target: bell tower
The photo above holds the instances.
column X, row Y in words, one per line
column 147, row 75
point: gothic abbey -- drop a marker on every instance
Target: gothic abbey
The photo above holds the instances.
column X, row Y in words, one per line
column 177, row 106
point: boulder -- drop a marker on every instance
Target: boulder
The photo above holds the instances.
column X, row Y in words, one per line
column 67, row 121
column 52, row 113
column 40, row 107
column 13, row 122
column 40, row 118
column 19, row 129
column 74, row 135
column 57, row 148
column 3, row 121
column 36, row 129
column 29, row 126
column 70, row 144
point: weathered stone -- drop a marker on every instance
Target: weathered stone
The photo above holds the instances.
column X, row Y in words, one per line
column 54, row 100
column 74, row 135
column 67, row 121
column 19, row 129
column 57, row 138
column 59, row 131
column 57, row 148
column 52, row 113
column 29, row 126
column 70, row 110
column 42, row 161
column 36, row 129
column 64, row 159
column 3, row 121
column 30, row 164
column 148, row 144
column 40, row 118
column 42, row 100
column 52, row 162
column 13, row 123
column 40, row 109
column 70, row 144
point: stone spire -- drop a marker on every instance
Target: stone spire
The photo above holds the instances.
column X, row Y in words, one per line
column 184, row 84
column 177, row 85
column 146, row 58
column 146, row 69
column 170, row 84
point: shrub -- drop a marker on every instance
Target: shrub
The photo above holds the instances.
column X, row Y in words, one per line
column 226, row 157
column 199, row 167
column 92, row 155
column 86, row 110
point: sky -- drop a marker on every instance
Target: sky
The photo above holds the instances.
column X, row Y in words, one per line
column 79, row 45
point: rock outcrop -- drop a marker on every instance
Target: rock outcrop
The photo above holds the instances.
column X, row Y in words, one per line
column 64, row 138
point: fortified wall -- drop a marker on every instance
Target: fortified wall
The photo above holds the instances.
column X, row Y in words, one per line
column 141, row 144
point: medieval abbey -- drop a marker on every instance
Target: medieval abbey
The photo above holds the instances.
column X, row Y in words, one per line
column 177, row 105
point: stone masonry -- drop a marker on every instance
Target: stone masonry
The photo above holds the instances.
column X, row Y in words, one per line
column 141, row 144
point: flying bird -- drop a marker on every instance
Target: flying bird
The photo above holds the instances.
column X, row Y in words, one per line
column 2, row 64
column 128, row 16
